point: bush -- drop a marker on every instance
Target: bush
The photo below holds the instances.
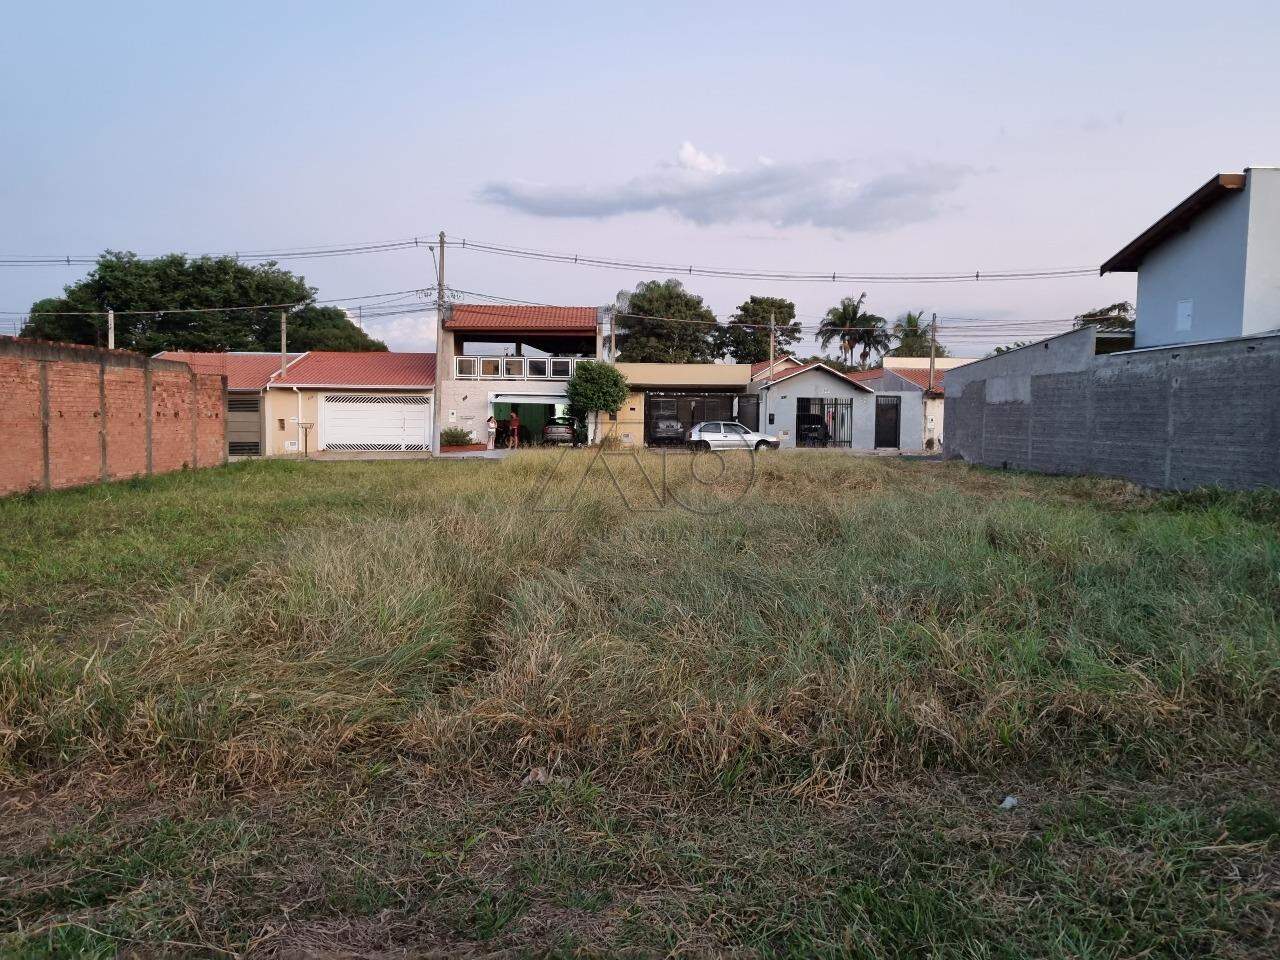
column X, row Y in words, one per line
column 455, row 437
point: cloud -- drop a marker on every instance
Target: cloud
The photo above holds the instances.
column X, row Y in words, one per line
column 705, row 189
column 416, row 332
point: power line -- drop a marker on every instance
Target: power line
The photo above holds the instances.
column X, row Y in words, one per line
column 739, row 273
column 425, row 294
column 247, row 256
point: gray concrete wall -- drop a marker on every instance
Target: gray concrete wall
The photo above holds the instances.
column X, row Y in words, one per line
column 1174, row 417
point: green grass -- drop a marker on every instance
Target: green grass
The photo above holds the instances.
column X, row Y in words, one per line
column 417, row 706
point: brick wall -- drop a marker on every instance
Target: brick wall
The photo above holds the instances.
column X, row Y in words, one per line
column 71, row 415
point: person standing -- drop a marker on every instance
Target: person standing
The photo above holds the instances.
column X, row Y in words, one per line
column 513, row 427
column 491, row 426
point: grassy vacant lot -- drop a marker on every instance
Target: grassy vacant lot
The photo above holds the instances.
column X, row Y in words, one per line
column 397, row 709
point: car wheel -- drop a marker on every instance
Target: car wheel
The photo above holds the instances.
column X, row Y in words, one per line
column 761, row 445
column 703, row 445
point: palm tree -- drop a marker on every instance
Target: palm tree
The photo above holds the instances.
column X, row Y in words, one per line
column 854, row 329
column 913, row 335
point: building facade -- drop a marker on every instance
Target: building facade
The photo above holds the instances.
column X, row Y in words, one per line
column 1210, row 268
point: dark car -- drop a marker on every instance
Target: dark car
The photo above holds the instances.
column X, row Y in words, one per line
column 812, row 433
column 560, row 430
column 666, row 430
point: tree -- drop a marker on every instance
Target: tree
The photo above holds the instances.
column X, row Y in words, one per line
column 177, row 303
column 832, row 362
column 1117, row 316
column 913, row 336
column 1012, row 346
column 327, row 328
column 661, row 322
column 746, row 337
column 854, row 329
column 595, row 388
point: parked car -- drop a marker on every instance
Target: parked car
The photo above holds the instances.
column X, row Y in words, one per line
column 728, row 435
column 666, row 430
column 812, row 433
column 560, row 430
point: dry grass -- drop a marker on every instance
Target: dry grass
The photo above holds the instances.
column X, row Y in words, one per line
column 780, row 715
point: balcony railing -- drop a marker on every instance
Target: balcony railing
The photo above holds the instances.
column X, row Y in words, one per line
column 514, row 368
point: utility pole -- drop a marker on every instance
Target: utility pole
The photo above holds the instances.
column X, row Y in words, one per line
column 613, row 335
column 771, row 342
column 111, row 329
column 444, row 359
column 284, row 352
column 933, row 348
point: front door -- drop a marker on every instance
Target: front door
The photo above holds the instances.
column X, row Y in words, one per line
column 888, row 421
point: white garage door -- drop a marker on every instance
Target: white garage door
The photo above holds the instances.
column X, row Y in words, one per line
column 376, row 422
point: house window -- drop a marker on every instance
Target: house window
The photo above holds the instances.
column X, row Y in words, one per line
column 561, row 368
column 1185, row 308
column 467, row 366
column 490, row 366
column 513, row 367
column 537, row 368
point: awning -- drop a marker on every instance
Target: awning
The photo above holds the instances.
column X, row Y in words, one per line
column 528, row 398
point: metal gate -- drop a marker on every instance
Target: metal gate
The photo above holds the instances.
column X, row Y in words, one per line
column 689, row 408
column 749, row 411
column 244, row 425
column 888, row 422
column 824, row 422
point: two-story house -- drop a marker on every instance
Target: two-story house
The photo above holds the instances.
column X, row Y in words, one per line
column 1209, row 269
column 495, row 359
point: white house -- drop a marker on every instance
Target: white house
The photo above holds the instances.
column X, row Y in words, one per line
column 1209, row 269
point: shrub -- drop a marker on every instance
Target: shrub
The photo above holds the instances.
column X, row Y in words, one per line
column 455, row 437
column 596, row 387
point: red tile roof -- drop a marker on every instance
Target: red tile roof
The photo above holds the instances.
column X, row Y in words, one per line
column 763, row 365
column 244, row 371
column 777, row 376
column 861, row 376
column 324, row 368
column 528, row 319
column 920, row 377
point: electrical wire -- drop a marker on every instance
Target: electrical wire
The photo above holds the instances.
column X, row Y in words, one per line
column 738, row 273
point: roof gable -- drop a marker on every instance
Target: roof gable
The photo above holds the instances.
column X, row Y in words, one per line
column 1175, row 221
column 779, row 376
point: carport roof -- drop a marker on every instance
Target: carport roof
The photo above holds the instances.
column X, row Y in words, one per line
column 325, row 368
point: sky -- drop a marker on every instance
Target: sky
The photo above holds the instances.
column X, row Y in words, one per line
column 845, row 137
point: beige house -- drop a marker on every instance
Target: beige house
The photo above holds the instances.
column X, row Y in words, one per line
column 687, row 392
column 324, row 400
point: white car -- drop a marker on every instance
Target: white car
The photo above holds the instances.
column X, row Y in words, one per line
column 728, row 435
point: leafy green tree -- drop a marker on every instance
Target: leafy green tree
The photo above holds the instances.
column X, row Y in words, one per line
column 327, row 328
column 746, row 337
column 1117, row 316
column 661, row 322
column 912, row 334
column 595, row 388
column 854, row 329
column 178, row 303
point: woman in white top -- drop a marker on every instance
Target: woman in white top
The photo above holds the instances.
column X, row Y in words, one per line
column 492, row 426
